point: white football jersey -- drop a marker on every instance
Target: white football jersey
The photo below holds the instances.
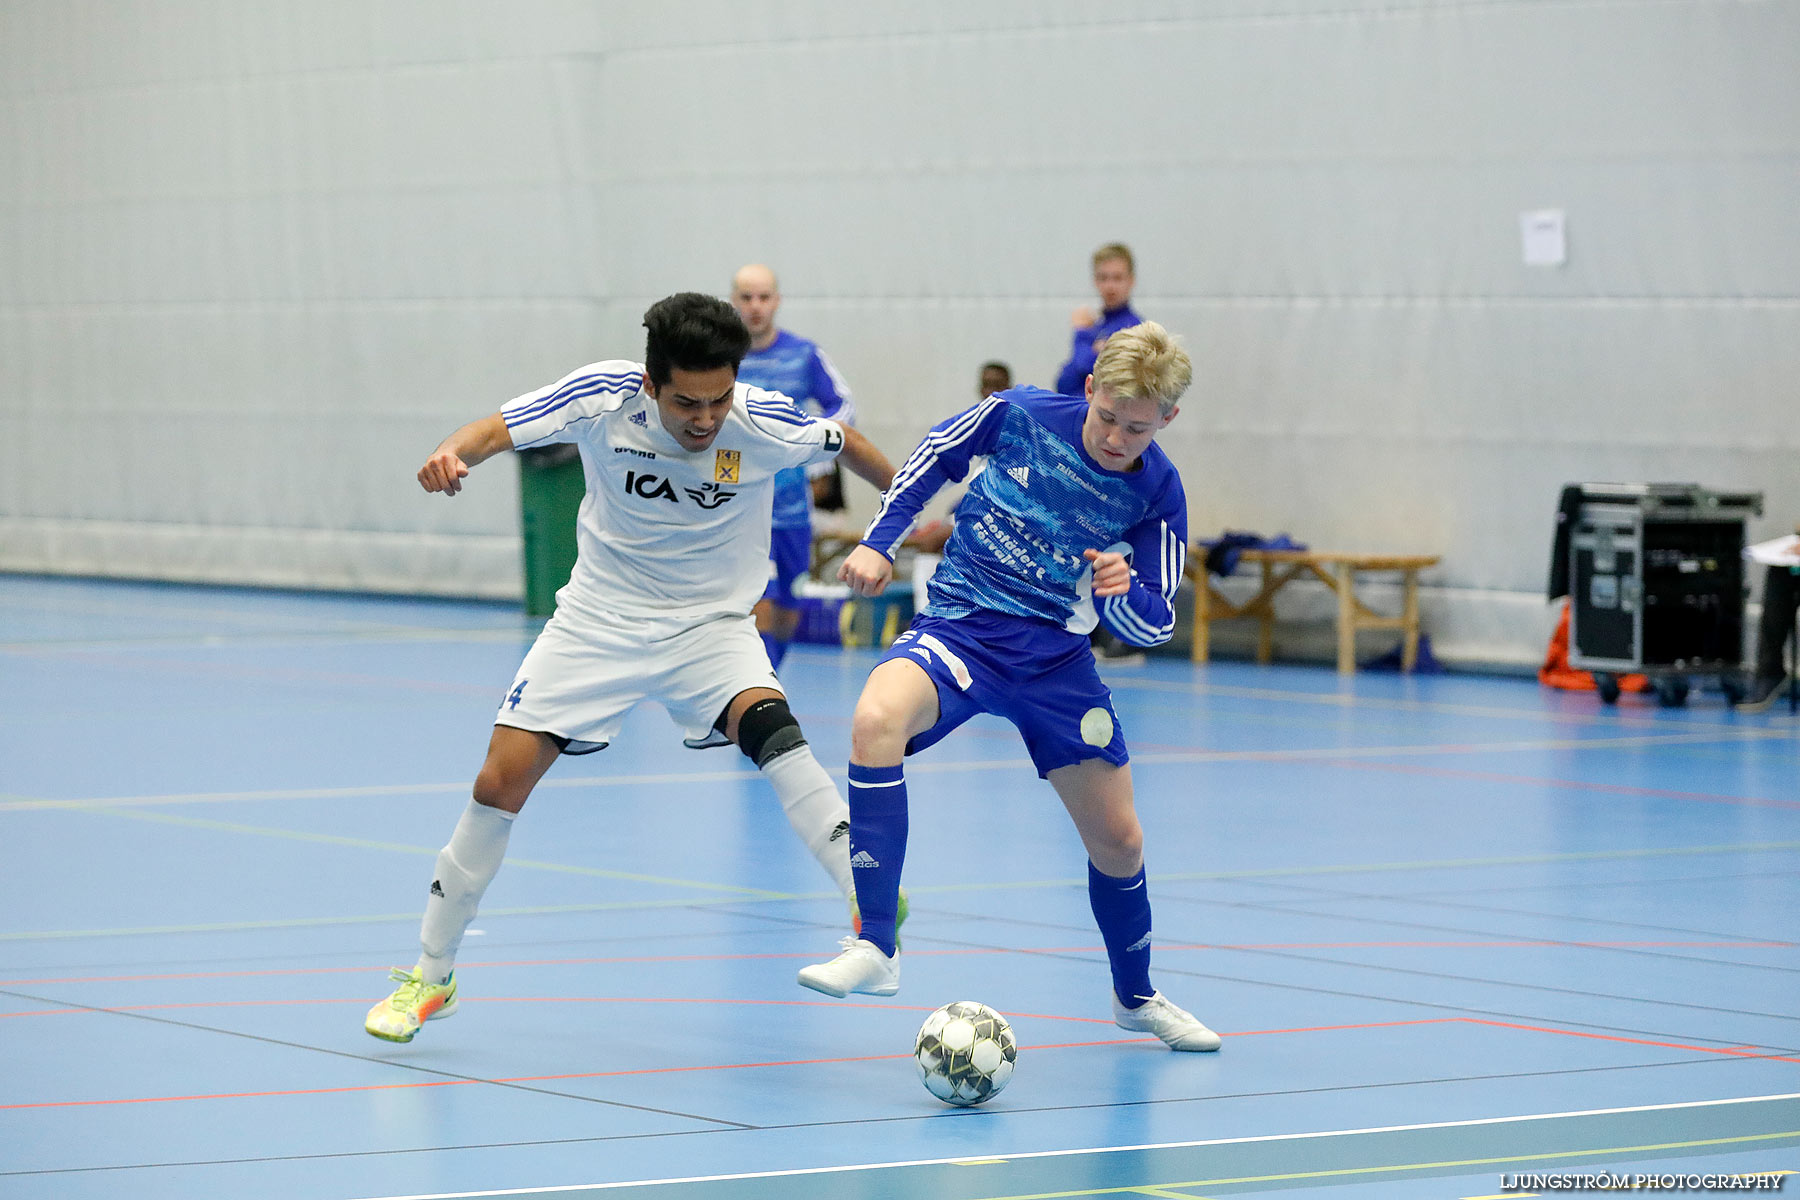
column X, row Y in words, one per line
column 663, row 532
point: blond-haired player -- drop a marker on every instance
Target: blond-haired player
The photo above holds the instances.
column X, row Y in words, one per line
column 1078, row 517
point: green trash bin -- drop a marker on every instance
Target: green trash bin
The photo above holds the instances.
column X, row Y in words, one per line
column 551, row 485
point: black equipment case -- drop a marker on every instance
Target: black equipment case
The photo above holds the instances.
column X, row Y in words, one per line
column 1655, row 579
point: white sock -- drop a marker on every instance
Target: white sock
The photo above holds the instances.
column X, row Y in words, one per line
column 465, row 867
column 815, row 810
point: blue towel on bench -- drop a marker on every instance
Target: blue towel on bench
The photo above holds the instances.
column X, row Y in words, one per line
column 1222, row 552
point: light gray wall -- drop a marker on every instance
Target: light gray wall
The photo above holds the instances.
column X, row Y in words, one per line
column 256, row 259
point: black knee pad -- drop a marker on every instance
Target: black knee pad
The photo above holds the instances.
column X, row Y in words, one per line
column 767, row 729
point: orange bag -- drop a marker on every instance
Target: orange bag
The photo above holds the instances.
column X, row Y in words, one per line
column 1557, row 673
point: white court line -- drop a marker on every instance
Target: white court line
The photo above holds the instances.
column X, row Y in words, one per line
column 1448, row 708
column 271, row 639
column 1242, row 1141
column 19, row 803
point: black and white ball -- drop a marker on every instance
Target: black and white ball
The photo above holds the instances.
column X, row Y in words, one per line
column 965, row 1053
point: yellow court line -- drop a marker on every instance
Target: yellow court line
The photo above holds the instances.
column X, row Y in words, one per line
column 746, row 894
column 1343, row 1172
column 366, row 919
column 1447, row 708
column 1464, row 748
column 1521, row 860
column 333, row 839
column 15, row 802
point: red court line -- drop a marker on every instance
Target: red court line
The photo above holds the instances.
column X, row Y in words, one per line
column 801, row 1062
column 100, row 1010
column 522, row 962
column 1733, row 1052
column 1472, row 944
column 1617, row 789
column 1730, row 1051
column 1503, row 944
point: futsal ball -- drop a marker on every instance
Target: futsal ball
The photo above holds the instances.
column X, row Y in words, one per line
column 965, row 1053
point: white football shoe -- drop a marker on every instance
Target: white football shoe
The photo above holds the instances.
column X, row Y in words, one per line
column 862, row 967
column 1176, row 1026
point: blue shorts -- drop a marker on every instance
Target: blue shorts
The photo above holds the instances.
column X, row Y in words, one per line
column 790, row 557
column 1036, row 675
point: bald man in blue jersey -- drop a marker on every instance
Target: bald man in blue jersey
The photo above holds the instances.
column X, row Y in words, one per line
column 1077, row 518
column 781, row 361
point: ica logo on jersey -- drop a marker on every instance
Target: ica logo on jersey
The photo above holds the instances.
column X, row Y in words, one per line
column 650, row 487
column 655, row 487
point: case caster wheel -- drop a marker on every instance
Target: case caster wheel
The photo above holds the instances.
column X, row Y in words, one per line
column 1671, row 691
column 1608, row 687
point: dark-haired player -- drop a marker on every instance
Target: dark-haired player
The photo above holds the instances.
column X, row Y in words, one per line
column 673, row 537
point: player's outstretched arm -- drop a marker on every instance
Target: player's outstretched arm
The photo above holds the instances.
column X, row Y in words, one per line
column 468, row 447
column 861, row 456
column 867, row 571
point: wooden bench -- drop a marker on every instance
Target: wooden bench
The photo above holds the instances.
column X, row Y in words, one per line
column 1338, row 571
column 829, row 546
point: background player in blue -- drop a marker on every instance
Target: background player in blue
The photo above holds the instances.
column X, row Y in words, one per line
column 1115, row 274
column 1078, row 516
column 783, row 362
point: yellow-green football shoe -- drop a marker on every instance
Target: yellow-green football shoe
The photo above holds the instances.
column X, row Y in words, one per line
column 413, row 1003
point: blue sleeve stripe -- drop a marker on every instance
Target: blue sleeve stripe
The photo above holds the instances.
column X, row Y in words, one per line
column 778, row 412
column 940, row 440
column 575, row 389
column 918, row 463
column 1126, row 620
column 954, row 432
column 1123, row 620
column 568, row 391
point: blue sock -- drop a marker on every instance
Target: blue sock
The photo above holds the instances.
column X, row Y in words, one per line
column 777, row 649
column 1122, row 910
column 877, row 848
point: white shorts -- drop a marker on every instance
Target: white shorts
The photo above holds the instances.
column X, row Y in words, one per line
column 580, row 678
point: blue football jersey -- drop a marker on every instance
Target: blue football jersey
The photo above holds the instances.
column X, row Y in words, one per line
column 1084, row 347
column 799, row 370
column 1019, row 533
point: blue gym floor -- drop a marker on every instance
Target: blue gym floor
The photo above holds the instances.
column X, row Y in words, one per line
column 1452, row 928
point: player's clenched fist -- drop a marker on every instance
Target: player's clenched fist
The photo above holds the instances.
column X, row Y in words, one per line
column 1112, row 574
column 443, row 472
column 867, row 571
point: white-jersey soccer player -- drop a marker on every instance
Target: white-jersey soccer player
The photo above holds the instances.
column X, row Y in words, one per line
column 673, row 539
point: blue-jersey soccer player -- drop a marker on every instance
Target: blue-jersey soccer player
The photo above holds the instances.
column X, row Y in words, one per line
column 780, row 361
column 1077, row 517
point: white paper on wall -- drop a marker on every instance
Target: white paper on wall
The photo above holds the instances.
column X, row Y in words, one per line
column 1546, row 244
